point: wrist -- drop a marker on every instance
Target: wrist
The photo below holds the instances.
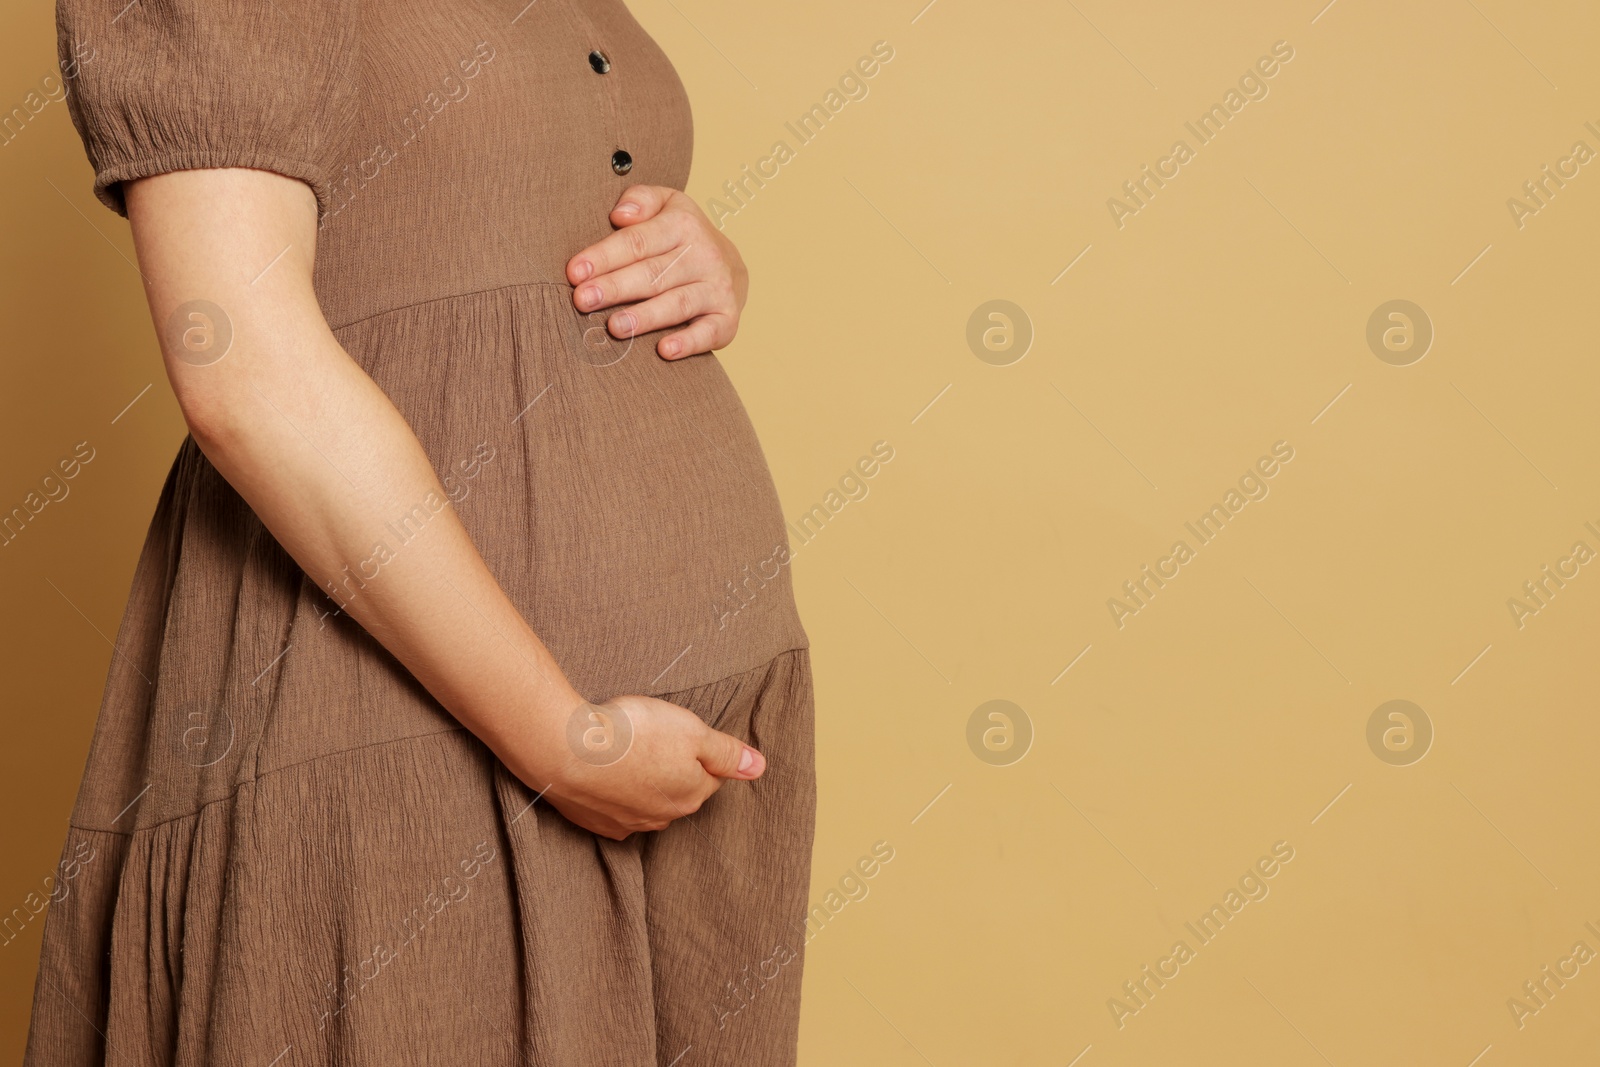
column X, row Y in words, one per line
column 554, row 702
column 531, row 738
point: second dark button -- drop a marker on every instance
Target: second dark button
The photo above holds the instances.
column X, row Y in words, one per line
column 598, row 61
column 621, row 161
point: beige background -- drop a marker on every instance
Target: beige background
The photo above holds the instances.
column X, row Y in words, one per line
column 1228, row 314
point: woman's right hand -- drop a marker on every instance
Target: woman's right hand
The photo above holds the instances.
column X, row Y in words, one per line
column 632, row 763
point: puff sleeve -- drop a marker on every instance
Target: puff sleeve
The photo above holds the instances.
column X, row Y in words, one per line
column 164, row 85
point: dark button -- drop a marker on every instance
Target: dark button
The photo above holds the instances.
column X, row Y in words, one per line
column 598, row 60
column 621, row 161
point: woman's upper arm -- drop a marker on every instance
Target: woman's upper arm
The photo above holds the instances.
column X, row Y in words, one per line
column 227, row 259
column 218, row 127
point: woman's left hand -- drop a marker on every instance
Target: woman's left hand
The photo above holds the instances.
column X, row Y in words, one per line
column 669, row 256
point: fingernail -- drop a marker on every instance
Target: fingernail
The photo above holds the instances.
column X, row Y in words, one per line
column 747, row 760
column 583, row 268
column 669, row 348
column 590, row 296
column 627, row 207
column 624, row 321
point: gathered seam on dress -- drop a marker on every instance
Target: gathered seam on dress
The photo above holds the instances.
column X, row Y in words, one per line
column 264, row 775
column 451, row 296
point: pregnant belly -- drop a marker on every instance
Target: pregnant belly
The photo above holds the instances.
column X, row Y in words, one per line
column 654, row 509
column 622, row 500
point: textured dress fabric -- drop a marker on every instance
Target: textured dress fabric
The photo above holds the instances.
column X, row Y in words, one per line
column 284, row 851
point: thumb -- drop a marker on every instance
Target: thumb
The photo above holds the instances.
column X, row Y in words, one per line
column 639, row 202
column 725, row 756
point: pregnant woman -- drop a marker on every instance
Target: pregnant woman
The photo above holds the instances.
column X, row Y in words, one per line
column 461, row 712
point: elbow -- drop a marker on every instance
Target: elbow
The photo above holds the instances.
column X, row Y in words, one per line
column 240, row 401
column 211, row 417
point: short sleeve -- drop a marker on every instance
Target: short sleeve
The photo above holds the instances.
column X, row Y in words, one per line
column 164, row 85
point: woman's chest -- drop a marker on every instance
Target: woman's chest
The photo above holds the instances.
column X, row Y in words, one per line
column 575, row 96
column 490, row 144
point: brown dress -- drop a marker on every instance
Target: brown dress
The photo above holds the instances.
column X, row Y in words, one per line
column 284, row 851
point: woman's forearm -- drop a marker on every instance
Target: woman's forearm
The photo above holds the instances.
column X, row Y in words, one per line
column 320, row 453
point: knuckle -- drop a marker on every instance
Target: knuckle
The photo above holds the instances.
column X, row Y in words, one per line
column 636, row 242
column 660, row 267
